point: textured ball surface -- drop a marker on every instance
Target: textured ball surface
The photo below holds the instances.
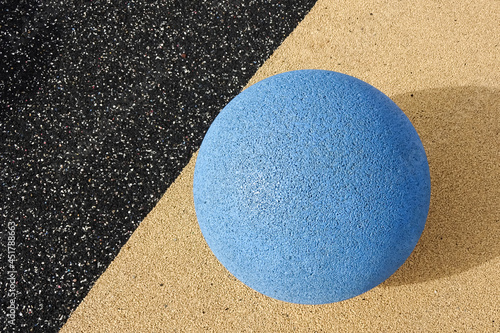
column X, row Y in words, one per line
column 311, row 187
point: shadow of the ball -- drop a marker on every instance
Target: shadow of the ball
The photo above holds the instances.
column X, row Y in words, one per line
column 460, row 130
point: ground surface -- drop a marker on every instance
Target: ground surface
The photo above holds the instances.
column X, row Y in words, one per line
column 104, row 106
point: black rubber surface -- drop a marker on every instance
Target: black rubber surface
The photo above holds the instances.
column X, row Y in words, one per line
column 102, row 106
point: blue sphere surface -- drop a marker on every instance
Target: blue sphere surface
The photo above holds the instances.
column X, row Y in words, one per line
column 311, row 187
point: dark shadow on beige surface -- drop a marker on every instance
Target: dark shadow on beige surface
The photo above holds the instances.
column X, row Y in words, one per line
column 460, row 130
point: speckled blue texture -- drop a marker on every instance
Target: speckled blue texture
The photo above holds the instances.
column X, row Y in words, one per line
column 311, row 187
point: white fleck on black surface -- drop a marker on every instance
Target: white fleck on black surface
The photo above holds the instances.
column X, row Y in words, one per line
column 102, row 106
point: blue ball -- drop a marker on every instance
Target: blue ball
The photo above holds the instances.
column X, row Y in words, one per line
column 311, row 187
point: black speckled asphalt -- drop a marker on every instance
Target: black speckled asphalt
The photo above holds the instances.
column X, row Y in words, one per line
column 102, row 105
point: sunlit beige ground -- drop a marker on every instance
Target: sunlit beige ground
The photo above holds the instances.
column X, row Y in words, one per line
column 439, row 61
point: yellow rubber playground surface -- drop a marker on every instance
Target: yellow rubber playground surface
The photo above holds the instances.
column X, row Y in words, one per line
column 440, row 62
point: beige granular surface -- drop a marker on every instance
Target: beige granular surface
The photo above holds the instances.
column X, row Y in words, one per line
column 439, row 61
